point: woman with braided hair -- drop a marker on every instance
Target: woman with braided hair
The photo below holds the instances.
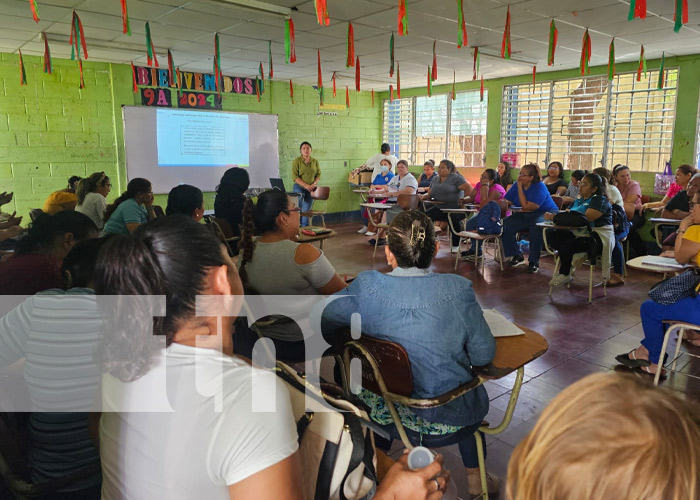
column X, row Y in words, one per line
column 437, row 319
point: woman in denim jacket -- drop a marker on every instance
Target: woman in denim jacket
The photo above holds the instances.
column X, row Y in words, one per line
column 437, row 319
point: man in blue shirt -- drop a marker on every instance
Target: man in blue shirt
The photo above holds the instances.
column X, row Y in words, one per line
column 532, row 196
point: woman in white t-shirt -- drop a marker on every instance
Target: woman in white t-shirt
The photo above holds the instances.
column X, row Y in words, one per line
column 92, row 197
column 618, row 256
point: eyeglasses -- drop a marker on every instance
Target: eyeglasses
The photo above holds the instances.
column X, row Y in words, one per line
column 297, row 209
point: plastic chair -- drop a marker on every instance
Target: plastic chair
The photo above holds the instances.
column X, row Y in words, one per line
column 558, row 201
column 680, row 327
column 406, row 202
column 321, row 193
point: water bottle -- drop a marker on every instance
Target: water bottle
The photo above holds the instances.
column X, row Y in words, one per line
column 420, row 457
column 524, row 246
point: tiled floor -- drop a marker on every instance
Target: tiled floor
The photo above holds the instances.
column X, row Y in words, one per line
column 583, row 338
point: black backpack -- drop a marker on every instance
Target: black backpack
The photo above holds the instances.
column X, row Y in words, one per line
column 619, row 219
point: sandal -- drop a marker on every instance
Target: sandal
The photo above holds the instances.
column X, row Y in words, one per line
column 646, row 371
column 630, row 359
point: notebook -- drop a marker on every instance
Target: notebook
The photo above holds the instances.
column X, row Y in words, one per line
column 499, row 325
column 655, row 260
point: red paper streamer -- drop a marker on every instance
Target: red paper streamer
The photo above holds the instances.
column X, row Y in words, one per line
column 403, row 19
column 534, row 74
column 638, row 8
column 151, row 56
column 553, row 36
column 357, row 73
column 434, row 73
column 481, row 95
column 454, row 83
column 333, row 80
column 347, row 97
column 35, row 10
column 322, row 12
column 505, row 44
column 82, row 80
column 642, row 65
column 320, row 78
column 257, row 88
column 291, row 91
column 462, row 39
column 48, row 63
column 586, row 53
column 350, row 59
column 430, row 84
column 391, row 93
column 476, row 62
column 135, row 87
column 269, row 53
column 398, row 79
column 126, row 27
column 372, row 97
column 680, row 15
column 171, row 69
column 290, row 42
column 179, row 81
column 22, row 71
column 77, row 38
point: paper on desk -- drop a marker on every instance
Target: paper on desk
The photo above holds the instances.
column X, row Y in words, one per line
column 499, row 325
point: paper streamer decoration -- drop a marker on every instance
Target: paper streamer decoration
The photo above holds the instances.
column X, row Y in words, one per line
column 454, row 82
column 430, row 84
column 257, row 87
column 320, row 78
column 391, row 93
column 333, row 80
column 271, row 70
column 553, row 35
column 48, row 63
column 322, row 12
column 642, row 65
column 82, row 80
column 481, row 94
column 77, row 38
column 357, row 73
column 638, row 8
column 22, row 72
column 398, row 79
column 217, row 62
column 347, row 97
column 178, row 82
column 126, row 27
column 150, row 49
column 133, row 78
column 391, row 55
column 261, row 74
column 586, row 53
column 434, row 73
column 372, row 97
column 171, row 69
column 290, row 51
column 611, row 60
column 534, row 74
column 350, row 59
column 505, row 44
column 291, row 91
column 680, row 16
column 461, row 26
column 35, row 10
column 403, row 18
column 477, row 62
column 662, row 77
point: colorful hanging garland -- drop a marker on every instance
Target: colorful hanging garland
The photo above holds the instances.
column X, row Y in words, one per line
column 48, row 63
column 291, row 91
column 391, row 55
column 322, row 12
column 320, row 78
column 403, row 18
column 35, row 10
column 350, row 45
column 454, row 83
column 171, row 69
column 391, row 93
column 271, row 70
column 257, row 88
column 333, row 80
column 150, row 49
column 611, row 60
column 178, row 81
column 680, row 16
column 347, row 97
column 553, row 35
column 660, row 84
column 430, row 83
column 642, row 65
column 462, row 39
column 477, row 62
column 357, row 73
column 638, row 8
column 261, row 74
column 217, row 62
column 534, row 75
column 434, row 73
column 290, row 51
column 82, row 79
column 372, row 97
column 22, row 71
column 134, row 88
column 481, row 91
column 77, row 38
column 505, row 44
column 585, row 54
column 126, row 27
column 398, row 79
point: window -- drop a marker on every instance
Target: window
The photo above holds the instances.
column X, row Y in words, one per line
column 423, row 128
column 587, row 122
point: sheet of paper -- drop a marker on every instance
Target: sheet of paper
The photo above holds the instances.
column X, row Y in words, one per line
column 499, row 325
column 655, row 260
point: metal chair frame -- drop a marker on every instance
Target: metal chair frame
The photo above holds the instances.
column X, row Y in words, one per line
column 322, row 193
column 407, row 202
column 481, row 240
column 680, row 327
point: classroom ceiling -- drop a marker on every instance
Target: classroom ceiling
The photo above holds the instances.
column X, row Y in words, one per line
column 187, row 28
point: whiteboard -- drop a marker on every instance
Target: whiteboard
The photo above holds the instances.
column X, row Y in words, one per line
column 142, row 155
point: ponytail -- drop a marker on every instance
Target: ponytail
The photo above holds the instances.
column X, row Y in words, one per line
column 90, row 185
column 135, row 186
column 247, row 243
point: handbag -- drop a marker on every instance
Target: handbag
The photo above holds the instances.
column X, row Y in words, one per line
column 336, row 448
column 663, row 181
column 572, row 218
column 675, row 288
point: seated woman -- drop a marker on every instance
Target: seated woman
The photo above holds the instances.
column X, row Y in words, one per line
column 36, row 263
column 437, row 319
column 133, row 208
column 229, row 200
column 446, row 189
column 594, row 204
column 92, row 193
column 186, row 200
column 402, row 183
column 554, row 180
column 63, row 199
column 506, row 174
column 487, row 189
column 687, row 250
column 274, row 264
column 427, row 176
column 531, row 195
column 683, row 175
column 678, row 208
column 631, row 193
column 572, row 191
column 619, row 436
column 378, row 183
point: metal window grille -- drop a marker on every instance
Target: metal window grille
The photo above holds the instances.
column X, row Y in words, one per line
column 525, row 121
column 398, row 127
column 467, row 139
column 431, row 128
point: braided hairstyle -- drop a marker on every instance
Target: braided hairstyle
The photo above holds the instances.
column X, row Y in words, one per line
column 411, row 238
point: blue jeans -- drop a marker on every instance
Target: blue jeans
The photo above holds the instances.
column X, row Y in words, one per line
column 653, row 314
column 305, row 203
column 618, row 254
column 472, row 225
column 517, row 222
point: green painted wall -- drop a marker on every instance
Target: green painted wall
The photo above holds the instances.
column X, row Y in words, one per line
column 50, row 129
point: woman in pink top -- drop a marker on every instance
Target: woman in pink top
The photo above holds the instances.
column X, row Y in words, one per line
column 487, row 189
column 683, row 175
column 630, row 190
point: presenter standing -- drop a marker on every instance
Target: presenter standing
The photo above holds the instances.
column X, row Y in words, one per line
column 306, row 173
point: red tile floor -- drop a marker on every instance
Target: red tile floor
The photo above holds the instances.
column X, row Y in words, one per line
column 583, row 338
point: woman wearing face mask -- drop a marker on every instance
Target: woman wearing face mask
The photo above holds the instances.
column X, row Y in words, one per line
column 402, row 183
column 306, row 173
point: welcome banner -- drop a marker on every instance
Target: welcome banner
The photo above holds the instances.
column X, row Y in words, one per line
column 201, row 82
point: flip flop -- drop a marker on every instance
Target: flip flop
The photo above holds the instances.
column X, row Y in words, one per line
column 632, row 362
column 645, row 371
